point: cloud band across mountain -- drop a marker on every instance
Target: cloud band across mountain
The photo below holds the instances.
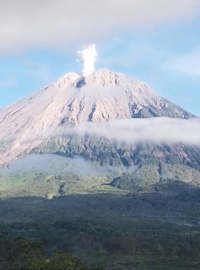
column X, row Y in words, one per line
column 157, row 130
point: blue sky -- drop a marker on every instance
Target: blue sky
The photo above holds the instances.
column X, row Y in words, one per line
column 162, row 52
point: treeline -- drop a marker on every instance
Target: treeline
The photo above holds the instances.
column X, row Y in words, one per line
column 92, row 239
column 150, row 243
column 183, row 247
column 134, row 238
column 24, row 254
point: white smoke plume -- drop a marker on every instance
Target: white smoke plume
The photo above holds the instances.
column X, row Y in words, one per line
column 87, row 57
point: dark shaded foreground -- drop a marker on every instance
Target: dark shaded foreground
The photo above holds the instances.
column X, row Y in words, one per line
column 145, row 231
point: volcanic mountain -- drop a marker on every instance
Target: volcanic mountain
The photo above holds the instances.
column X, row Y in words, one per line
column 50, row 122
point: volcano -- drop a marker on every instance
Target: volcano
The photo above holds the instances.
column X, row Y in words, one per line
column 46, row 128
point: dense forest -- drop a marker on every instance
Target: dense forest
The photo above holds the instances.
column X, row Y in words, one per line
column 101, row 231
column 80, row 244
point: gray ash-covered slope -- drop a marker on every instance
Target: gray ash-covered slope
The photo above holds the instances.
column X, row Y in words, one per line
column 46, row 121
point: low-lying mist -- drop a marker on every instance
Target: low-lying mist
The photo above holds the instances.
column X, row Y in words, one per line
column 50, row 163
column 56, row 164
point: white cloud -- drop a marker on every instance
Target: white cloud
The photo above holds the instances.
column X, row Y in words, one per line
column 27, row 23
column 157, row 130
column 188, row 64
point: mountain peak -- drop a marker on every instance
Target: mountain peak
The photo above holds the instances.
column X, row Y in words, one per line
column 101, row 78
column 67, row 80
column 104, row 77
